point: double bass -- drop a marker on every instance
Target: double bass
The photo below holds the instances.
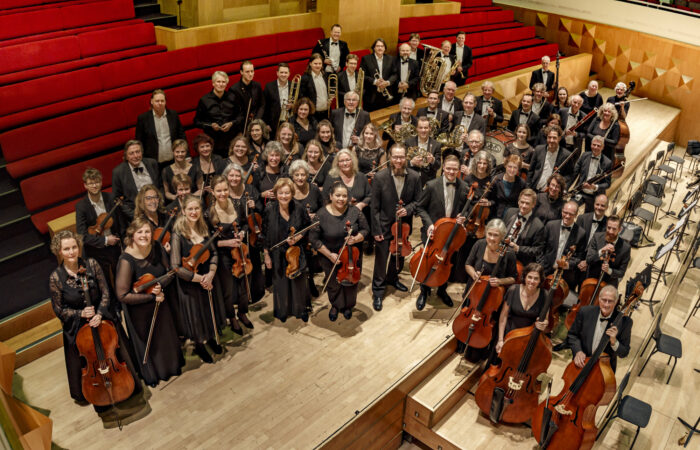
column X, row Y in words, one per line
column 106, row 219
column 589, row 290
column 509, row 392
column 567, row 420
column 624, row 129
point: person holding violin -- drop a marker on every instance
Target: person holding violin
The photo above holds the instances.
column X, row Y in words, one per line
column 341, row 227
column 105, row 247
column 591, row 100
column 392, row 185
column 540, row 105
column 317, row 162
column 149, row 205
column 271, row 170
column 224, row 214
column 605, row 124
column 547, row 158
column 239, row 153
column 76, row 307
column 181, row 164
column 303, row 120
column 144, row 259
column 206, row 163
column 609, row 242
column 182, row 184
column 528, row 244
column 282, row 219
column 201, row 318
column 257, row 135
column 593, row 324
column 326, row 136
column 620, row 96
column 522, row 304
column 427, row 155
column 506, row 187
column 570, row 116
column 287, row 137
column 474, row 141
column 550, row 202
column 559, row 236
column 590, row 165
column 521, row 147
column 445, row 196
column 369, row 151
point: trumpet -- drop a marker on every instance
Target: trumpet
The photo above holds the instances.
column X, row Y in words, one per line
column 360, row 85
column 332, row 87
column 294, row 88
column 384, row 91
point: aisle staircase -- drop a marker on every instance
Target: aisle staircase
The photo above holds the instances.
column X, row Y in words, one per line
column 149, row 11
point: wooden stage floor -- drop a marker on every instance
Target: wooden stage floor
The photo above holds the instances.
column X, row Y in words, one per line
column 291, row 385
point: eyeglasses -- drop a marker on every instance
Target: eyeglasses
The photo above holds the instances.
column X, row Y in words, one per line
column 150, row 198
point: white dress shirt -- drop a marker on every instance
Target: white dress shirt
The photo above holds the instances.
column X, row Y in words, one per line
column 398, row 183
column 550, row 160
column 141, row 177
column 467, row 119
column 165, row 150
column 351, row 80
column 284, row 93
column 448, row 105
column 100, row 209
column 599, row 333
column 321, row 92
column 349, row 120
column 570, row 122
column 334, row 55
column 449, row 196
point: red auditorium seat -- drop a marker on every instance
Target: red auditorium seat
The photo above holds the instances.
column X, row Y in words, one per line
column 20, row 57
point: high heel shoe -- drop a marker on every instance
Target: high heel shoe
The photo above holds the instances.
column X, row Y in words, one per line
column 201, row 351
column 216, row 348
column 236, row 327
column 245, row 321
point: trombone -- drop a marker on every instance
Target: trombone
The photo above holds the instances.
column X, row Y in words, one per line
column 294, row 88
column 332, row 87
column 384, row 91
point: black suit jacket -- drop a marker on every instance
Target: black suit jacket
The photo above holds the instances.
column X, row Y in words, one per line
column 242, row 95
column 552, row 230
column 441, row 115
column 545, row 111
column 580, row 337
column 497, row 107
column 413, row 78
column 273, row 109
column 308, row 88
column 537, row 78
column 582, row 166
column 618, row 266
column 585, row 221
column 431, row 205
column 533, row 122
column 369, row 65
column 530, row 239
column 466, row 62
column 146, row 131
column 325, row 47
column 580, row 132
column 429, row 171
column 477, row 123
column 85, row 217
column 385, row 200
column 337, row 119
column 344, row 86
column 123, row 185
column 456, row 104
column 537, row 165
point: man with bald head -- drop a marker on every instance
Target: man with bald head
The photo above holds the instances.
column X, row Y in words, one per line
column 448, row 101
column 468, row 117
column 543, row 75
column 570, row 117
column 559, row 236
column 590, row 165
column 408, row 71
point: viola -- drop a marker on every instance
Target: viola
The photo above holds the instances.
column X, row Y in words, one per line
column 400, row 246
column 199, row 253
column 292, row 255
column 349, row 272
column 248, row 176
column 105, row 220
column 241, row 264
column 588, row 292
column 162, row 234
column 567, row 420
column 254, row 223
column 561, row 290
column 476, row 222
column 147, row 282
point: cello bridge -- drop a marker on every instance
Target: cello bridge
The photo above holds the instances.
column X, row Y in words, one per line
column 514, row 385
column 439, row 258
column 104, row 371
column 561, row 409
column 476, row 316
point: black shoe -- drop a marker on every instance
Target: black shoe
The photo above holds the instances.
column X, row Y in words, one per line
column 446, row 299
column 420, row 301
column 399, row 286
column 305, row 316
column 333, row 314
column 203, row 354
column 236, row 327
column 560, row 347
column 313, row 290
column 369, row 250
column 347, row 314
column 216, row 348
column 245, row 321
column 377, row 303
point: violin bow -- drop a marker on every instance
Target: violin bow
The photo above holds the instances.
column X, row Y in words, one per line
column 319, row 169
column 420, row 262
column 150, row 333
column 213, row 319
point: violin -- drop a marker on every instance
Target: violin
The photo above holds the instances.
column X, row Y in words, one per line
column 105, row 380
column 561, row 289
column 162, row 234
column 254, row 223
column 474, row 324
column 400, row 246
column 567, row 421
column 199, row 253
column 292, row 255
column 146, row 284
column 248, row 176
column 241, row 258
column 589, row 290
column 375, row 168
column 476, row 222
column 349, row 271
column 105, row 220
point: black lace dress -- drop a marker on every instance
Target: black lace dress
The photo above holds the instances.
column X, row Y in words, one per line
column 257, row 277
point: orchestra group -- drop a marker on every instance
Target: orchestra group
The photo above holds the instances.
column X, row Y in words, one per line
column 293, row 179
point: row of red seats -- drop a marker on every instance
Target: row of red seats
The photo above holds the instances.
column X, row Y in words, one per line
column 475, row 3
column 50, row 23
column 408, row 25
column 35, row 5
column 488, row 38
column 33, row 60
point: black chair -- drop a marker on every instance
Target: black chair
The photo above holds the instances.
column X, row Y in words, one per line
column 677, row 160
column 629, row 409
column 696, row 265
column 644, row 215
column 668, row 345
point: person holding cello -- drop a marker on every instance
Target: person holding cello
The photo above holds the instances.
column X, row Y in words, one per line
column 340, row 228
column 224, row 214
column 392, row 185
column 202, row 312
column 282, row 220
column 445, row 196
column 148, row 314
column 608, row 242
column 76, row 307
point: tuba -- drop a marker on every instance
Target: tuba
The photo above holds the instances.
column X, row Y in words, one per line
column 294, row 88
column 332, row 87
column 434, row 69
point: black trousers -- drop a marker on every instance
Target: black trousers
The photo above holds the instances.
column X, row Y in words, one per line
column 381, row 276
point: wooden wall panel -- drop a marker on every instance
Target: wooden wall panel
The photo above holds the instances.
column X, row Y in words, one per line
column 664, row 70
column 413, row 9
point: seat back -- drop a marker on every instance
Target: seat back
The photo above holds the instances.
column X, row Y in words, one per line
column 635, row 200
column 657, row 329
column 623, row 385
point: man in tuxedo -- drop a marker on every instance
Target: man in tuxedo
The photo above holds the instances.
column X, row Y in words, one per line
column 546, row 158
column 248, row 95
column 540, row 105
column 348, row 79
column 606, row 242
column 333, row 50
column 348, row 122
column 543, row 75
column 433, row 111
column 131, row 175
column 529, row 243
column 416, row 53
column 462, row 55
column 104, row 248
column 594, row 324
column 276, row 94
column 448, row 102
column 445, row 196
column 408, row 74
column 468, row 117
column 215, row 113
column 559, row 236
column 390, row 185
column 524, row 114
column 591, row 223
column 426, row 166
column 490, row 108
column 381, row 64
column 158, row 128
column 570, row 117
column 592, row 164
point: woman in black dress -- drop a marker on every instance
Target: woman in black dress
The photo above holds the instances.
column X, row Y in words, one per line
column 182, row 185
column 239, row 153
column 521, row 147
column 144, row 256
column 326, row 136
column 74, row 309
column 506, row 187
column 328, row 239
column 484, row 255
column 605, row 124
column 290, row 295
column 303, row 121
column 182, row 164
column 550, row 203
column 271, row 170
column 288, row 138
column 258, row 135
column 200, row 324
column 149, row 205
column 562, row 100
column 369, row 151
column 206, row 163
column 591, row 99
column 319, row 163
column 522, row 304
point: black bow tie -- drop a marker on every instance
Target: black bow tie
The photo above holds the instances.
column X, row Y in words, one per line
column 430, row 113
column 349, row 114
column 404, row 61
column 565, row 228
column 334, row 43
column 521, row 217
column 605, row 319
column 451, row 183
column 468, row 117
column 598, row 221
column 138, row 169
column 597, row 158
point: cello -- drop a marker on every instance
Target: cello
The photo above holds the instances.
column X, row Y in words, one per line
column 567, row 421
column 588, row 292
column 162, row 234
column 476, row 222
column 105, row 220
column 509, row 392
column 400, row 246
column 624, row 128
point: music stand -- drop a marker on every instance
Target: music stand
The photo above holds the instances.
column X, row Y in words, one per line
column 680, row 225
column 661, row 251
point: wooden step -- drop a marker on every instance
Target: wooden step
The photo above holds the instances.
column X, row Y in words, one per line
column 39, row 348
column 25, row 320
column 37, row 341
